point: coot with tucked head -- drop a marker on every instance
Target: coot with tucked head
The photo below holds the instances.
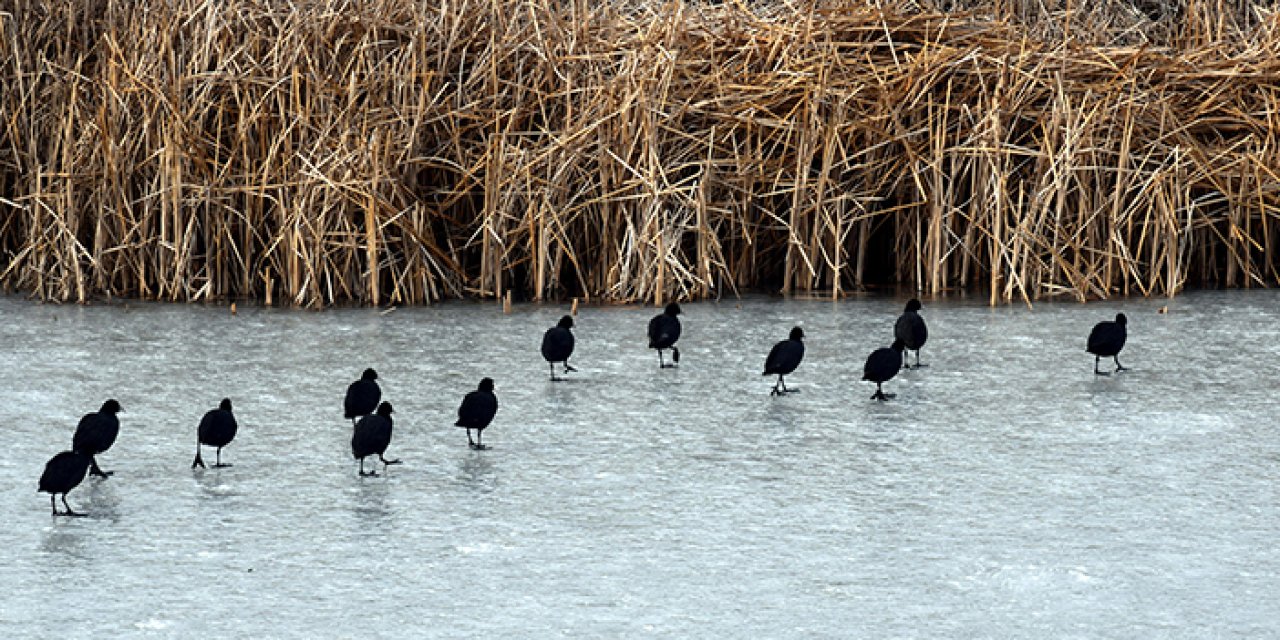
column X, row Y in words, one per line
column 911, row 330
column 664, row 330
column 63, row 473
column 1106, row 340
column 557, row 346
column 96, row 433
column 477, row 411
column 882, row 365
column 217, row 429
column 783, row 358
column 372, row 436
column 362, row 396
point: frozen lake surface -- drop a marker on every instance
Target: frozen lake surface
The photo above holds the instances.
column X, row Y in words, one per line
column 1006, row 492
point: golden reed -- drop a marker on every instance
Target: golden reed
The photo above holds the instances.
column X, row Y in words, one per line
column 398, row 151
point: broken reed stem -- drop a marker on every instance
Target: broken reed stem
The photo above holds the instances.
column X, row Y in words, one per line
column 401, row 152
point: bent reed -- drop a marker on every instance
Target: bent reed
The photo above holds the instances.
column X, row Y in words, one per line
column 320, row 152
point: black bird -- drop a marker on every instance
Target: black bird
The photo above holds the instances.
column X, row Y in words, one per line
column 557, row 346
column 783, row 358
column 882, row 365
column 372, row 435
column 362, row 396
column 477, row 411
column 217, row 429
column 664, row 330
column 1107, row 339
column 96, row 433
column 63, row 473
column 911, row 330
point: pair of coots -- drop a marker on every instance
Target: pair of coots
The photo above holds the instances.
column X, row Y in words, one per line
column 664, row 330
column 95, row 434
column 371, row 420
column 909, row 334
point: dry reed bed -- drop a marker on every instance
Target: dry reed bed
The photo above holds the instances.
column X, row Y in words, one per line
column 391, row 151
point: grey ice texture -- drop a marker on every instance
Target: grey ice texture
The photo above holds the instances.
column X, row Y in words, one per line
column 1007, row 492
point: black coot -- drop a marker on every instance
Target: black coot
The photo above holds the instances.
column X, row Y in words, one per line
column 882, row 365
column 477, row 411
column 96, row 433
column 63, row 473
column 664, row 330
column 362, row 396
column 783, row 359
column 911, row 330
column 557, row 346
column 217, row 429
column 372, row 436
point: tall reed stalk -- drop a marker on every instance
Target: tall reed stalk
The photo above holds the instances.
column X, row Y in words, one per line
column 401, row 151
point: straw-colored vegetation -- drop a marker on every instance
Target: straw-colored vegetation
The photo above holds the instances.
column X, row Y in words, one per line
column 405, row 151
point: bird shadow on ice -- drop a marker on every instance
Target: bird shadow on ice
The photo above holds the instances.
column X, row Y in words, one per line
column 476, row 472
column 67, row 537
column 576, row 379
column 371, row 498
column 101, row 501
column 213, row 484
